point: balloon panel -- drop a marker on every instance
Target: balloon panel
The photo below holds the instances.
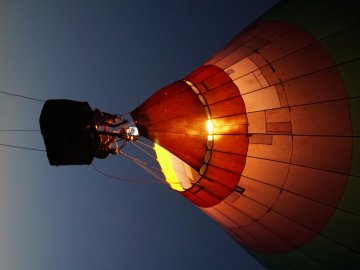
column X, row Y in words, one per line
column 177, row 173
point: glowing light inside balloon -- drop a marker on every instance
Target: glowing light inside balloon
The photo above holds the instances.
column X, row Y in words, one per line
column 209, row 126
column 210, row 129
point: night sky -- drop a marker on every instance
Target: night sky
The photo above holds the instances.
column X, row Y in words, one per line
column 113, row 54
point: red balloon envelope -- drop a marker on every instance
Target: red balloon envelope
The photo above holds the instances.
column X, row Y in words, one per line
column 266, row 133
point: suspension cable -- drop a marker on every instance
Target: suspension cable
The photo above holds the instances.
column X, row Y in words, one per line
column 19, row 130
column 22, row 147
column 21, row 96
column 139, row 161
column 143, row 150
column 137, row 181
column 161, row 180
column 144, row 144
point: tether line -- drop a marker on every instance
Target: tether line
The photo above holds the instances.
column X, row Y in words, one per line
column 21, row 96
column 19, row 130
column 22, row 147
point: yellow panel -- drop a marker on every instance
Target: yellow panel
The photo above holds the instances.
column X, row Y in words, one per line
column 177, row 173
column 164, row 159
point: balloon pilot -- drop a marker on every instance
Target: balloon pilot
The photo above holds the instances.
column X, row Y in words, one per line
column 112, row 128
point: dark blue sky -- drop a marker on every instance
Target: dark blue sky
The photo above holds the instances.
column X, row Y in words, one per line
column 113, row 54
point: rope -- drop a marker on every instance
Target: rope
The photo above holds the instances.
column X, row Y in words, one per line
column 22, row 147
column 137, row 161
column 19, row 130
column 143, row 150
column 143, row 143
column 21, row 96
column 125, row 179
column 150, row 169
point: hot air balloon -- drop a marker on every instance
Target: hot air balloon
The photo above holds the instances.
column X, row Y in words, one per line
column 264, row 136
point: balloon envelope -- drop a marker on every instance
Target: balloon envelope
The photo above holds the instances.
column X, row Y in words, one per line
column 264, row 137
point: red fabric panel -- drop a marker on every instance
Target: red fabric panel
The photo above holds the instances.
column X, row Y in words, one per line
column 325, row 187
column 269, row 73
column 202, row 88
column 231, row 129
column 314, row 119
column 189, row 122
column 222, row 92
column 213, row 187
column 195, row 199
column 279, row 127
column 286, row 228
column 235, row 144
column 250, row 207
column 252, row 242
column 236, row 124
column 291, row 234
column 303, row 62
column 285, row 44
column 218, row 79
column 205, row 196
column 202, row 73
column 258, row 59
column 235, row 215
column 306, row 212
column 264, row 193
column 265, row 241
column 186, row 104
column 320, row 86
column 256, row 43
column 234, row 57
column 254, row 37
column 225, row 177
column 232, row 162
column 228, row 107
column 327, row 153
column 282, row 95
